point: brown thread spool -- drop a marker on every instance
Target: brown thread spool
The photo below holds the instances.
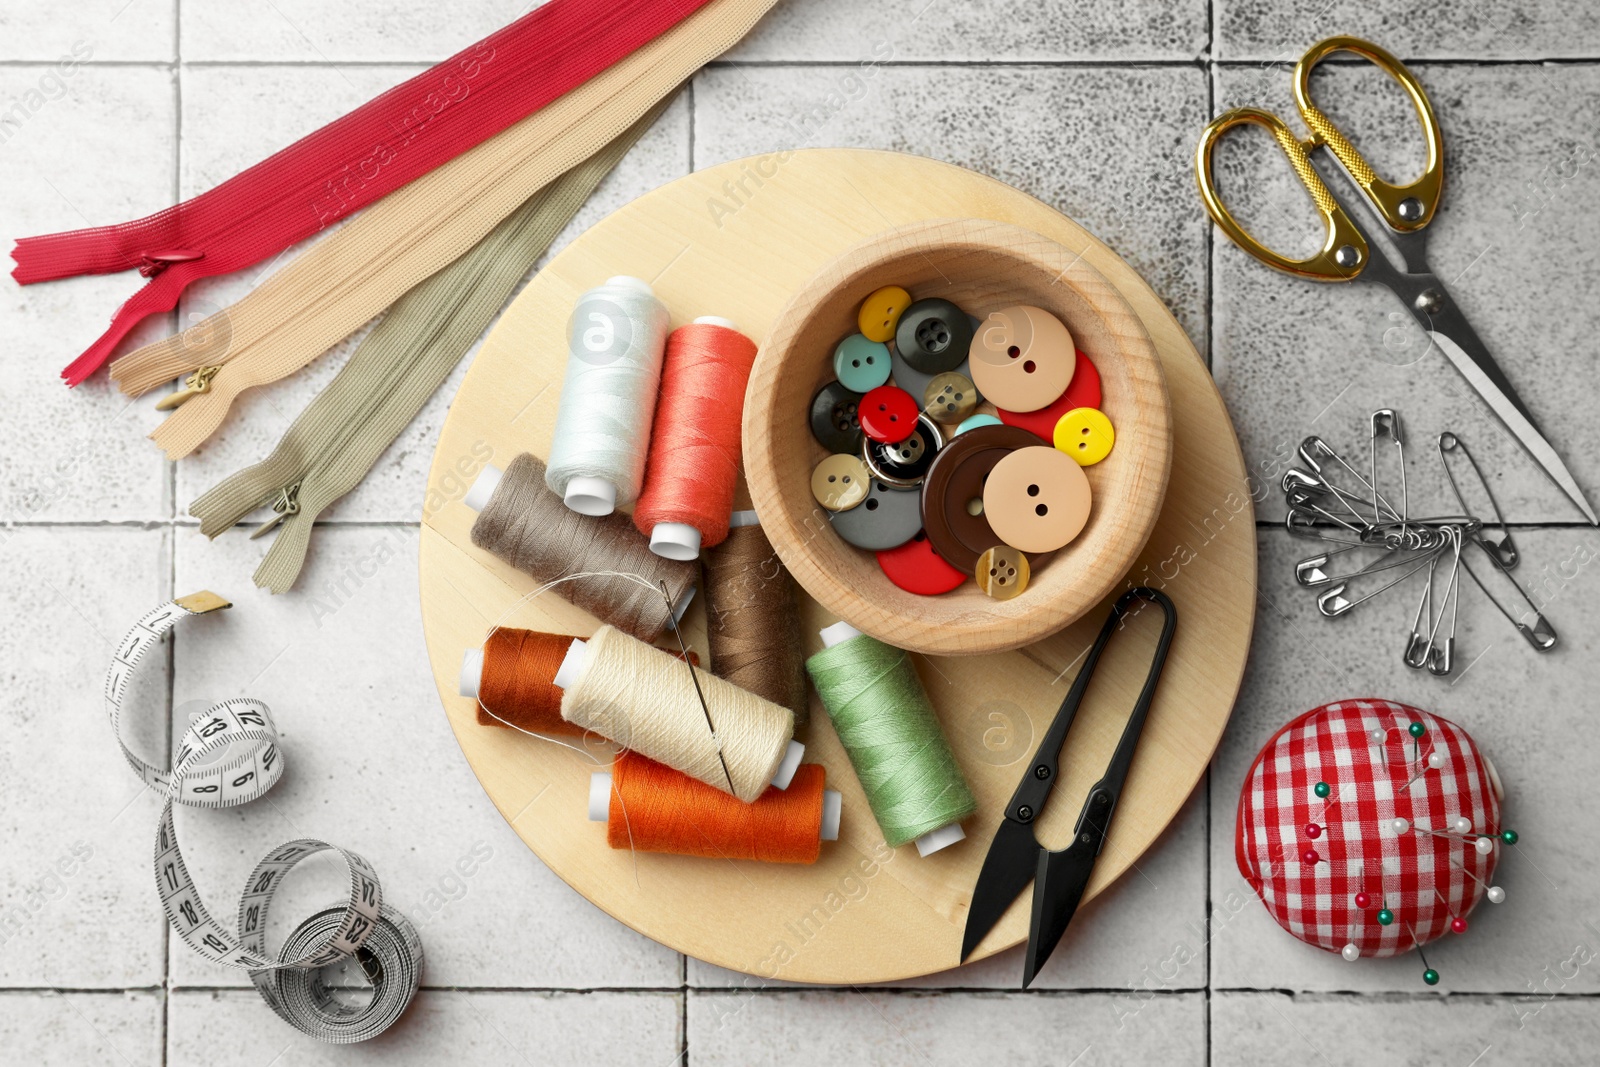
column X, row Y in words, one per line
column 752, row 626
column 525, row 524
column 512, row 678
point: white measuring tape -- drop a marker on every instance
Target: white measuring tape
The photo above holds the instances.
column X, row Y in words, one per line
column 239, row 735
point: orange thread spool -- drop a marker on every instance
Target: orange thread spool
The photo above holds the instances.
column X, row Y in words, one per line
column 517, row 688
column 657, row 809
column 694, row 460
column 518, row 684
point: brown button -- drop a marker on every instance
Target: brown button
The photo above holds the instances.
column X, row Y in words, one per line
column 1022, row 358
column 1036, row 499
column 1002, row 572
column 952, row 492
column 949, row 398
column 840, row 482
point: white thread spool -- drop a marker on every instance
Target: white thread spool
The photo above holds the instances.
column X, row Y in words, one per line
column 477, row 498
column 643, row 736
column 616, row 340
column 933, row 840
column 600, row 804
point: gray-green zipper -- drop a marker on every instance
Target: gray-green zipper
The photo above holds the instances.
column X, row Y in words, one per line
column 339, row 436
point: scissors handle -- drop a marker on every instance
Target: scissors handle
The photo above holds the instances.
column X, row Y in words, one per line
column 1405, row 208
column 1344, row 249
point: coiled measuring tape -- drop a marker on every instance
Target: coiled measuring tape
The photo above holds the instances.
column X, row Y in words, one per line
column 239, row 735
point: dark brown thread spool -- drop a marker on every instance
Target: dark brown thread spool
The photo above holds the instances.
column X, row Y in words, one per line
column 752, row 626
column 528, row 526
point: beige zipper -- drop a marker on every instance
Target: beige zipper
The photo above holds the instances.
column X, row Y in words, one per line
column 356, row 272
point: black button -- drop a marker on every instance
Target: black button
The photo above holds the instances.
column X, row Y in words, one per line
column 933, row 336
column 834, row 420
column 904, row 462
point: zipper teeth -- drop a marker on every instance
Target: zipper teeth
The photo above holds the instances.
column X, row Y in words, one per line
column 212, row 219
column 264, row 209
column 376, row 282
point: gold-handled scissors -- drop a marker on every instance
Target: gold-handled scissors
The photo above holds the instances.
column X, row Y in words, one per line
column 1405, row 210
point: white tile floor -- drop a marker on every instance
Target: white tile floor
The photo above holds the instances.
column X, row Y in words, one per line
column 1093, row 108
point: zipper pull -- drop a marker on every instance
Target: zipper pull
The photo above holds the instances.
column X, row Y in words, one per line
column 153, row 263
column 288, row 503
column 197, row 383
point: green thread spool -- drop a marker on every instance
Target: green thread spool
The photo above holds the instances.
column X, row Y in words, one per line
column 886, row 723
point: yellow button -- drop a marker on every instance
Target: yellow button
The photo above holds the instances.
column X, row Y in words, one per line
column 840, row 482
column 1002, row 572
column 881, row 312
column 1086, row 435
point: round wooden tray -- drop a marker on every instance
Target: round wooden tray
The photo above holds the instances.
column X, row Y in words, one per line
column 737, row 240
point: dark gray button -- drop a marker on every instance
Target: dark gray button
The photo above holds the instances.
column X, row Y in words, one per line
column 834, row 420
column 933, row 336
column 888, row 518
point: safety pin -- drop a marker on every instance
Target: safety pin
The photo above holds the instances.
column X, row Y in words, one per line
column 1385, row 562
column 1313, row 446
column 1416, row 653
column 1386, row 423
column 1310, row 571
column 1304, row 500
column 1442, row 658
column 1541, row 635
column 1503, row 550
column 1300, row 523
column 1334, row 603
column 1299, row 484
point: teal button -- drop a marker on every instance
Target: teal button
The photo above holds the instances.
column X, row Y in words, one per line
column 861, row 364
column 974, row 422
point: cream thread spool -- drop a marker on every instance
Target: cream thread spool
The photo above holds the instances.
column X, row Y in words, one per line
column 754, row 736
column 616, row 341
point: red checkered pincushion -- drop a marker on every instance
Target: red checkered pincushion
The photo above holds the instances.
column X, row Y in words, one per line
column 1326, row 867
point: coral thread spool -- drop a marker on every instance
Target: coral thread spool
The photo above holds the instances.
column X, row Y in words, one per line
column 616, row 341
column 650, row 807
column 693, row 465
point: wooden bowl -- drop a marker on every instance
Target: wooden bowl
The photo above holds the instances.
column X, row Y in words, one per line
column 982, row 266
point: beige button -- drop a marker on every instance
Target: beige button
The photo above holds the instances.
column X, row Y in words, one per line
column 949, row 398
column 1036, row 499
column 1022, row 358
column 1002, row 572
column 840, row 482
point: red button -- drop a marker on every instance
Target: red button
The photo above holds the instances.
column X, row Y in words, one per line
column 889, row 415
column 1084, row 392
column 917, row 568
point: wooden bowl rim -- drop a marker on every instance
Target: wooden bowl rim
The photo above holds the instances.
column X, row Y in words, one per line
column 946, row 626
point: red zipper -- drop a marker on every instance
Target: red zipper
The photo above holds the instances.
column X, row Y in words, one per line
column 347, row 164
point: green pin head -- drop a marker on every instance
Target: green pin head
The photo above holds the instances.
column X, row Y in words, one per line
column 1430, row 976
column 1385, row 917
column 1416, row 729
column 1322, row 790
column 1508, row 836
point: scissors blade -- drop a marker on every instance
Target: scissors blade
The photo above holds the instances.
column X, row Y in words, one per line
column 1058, row 885
column 1007, row 870
column 1484, row 375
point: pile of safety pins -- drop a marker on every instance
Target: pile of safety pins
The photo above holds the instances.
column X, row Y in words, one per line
column 1364, row 521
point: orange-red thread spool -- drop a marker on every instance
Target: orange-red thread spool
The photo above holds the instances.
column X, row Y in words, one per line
column 694, row 461
column 653, row 808
column 513, row 680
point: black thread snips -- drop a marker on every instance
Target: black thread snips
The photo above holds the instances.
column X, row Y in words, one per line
column 1016, row 857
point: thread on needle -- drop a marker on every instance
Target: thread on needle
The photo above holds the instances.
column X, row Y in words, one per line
column 528, row 527
column 637, row 695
